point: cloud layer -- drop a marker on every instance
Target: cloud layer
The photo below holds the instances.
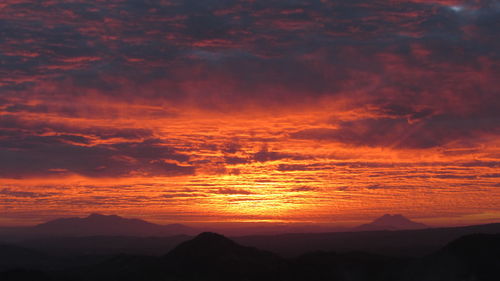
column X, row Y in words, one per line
column 258, row 105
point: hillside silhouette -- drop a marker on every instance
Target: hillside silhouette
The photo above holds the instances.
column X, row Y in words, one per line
column 97, row 224
column 407, row 243
column 216, row 257
column 211, row 256
column 391, row 222
column 108, row 235
column 68, row 250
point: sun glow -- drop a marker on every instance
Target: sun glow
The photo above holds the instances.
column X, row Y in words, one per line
column 257, row 112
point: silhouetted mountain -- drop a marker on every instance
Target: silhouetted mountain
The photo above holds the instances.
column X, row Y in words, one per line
column 207, row 244
column 208, row 256
column 95, row 225
column 211, row 256
column 397, row 243
column 390, row 222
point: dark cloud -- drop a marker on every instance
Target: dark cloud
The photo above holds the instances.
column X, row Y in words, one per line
column 491, row 175
column 183, row 195
column 425, row 73
column 307, row 167
column 231, row 147
column 236, row 160
column 265, row 155
column 404, row 111
column 25, row 194
column 463, row 177
column 261, row 51
column 303, row 189
column 293, row 167
column 234, row 191
column 481, row 163
column 23, row 155
column 430, row 131
column 11, row 124
column 376, row 186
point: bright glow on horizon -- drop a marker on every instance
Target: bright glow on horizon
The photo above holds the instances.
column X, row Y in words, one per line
column 249, row 110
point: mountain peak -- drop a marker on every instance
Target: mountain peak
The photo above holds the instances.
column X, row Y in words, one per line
column 391, row 222
column 208, row 242
column 211, row 236
column 211, row 253
column 391, row 219
column 94, row 216
column 105, row 225
column 393, row 216
column 208, row 245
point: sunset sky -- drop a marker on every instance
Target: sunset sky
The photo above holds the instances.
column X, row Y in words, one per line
column 298, row 111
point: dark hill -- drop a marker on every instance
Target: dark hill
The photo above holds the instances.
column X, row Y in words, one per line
column 211, row 256
column 210, row 244
column 391, row 222
column 208, row 256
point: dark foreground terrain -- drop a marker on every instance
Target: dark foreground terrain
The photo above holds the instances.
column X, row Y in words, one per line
column 211, row 256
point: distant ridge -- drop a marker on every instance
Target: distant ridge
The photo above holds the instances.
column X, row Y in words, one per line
column 213, row 257
column 417, row 242
column 391, row 222
column 98, row 224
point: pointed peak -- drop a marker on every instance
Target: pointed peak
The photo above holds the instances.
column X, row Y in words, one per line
column 209, row 234
column 388, row 218
column 211, row 237
column 392, row 216
column 391, row 222
column 95, row 216
column 205, row 244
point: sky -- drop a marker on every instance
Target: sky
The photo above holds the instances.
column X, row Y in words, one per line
column 298, row 111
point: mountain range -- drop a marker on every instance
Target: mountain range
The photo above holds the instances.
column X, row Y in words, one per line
column 107, row 235
column 96, row 225
column 210, row 256
column 113, row 225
